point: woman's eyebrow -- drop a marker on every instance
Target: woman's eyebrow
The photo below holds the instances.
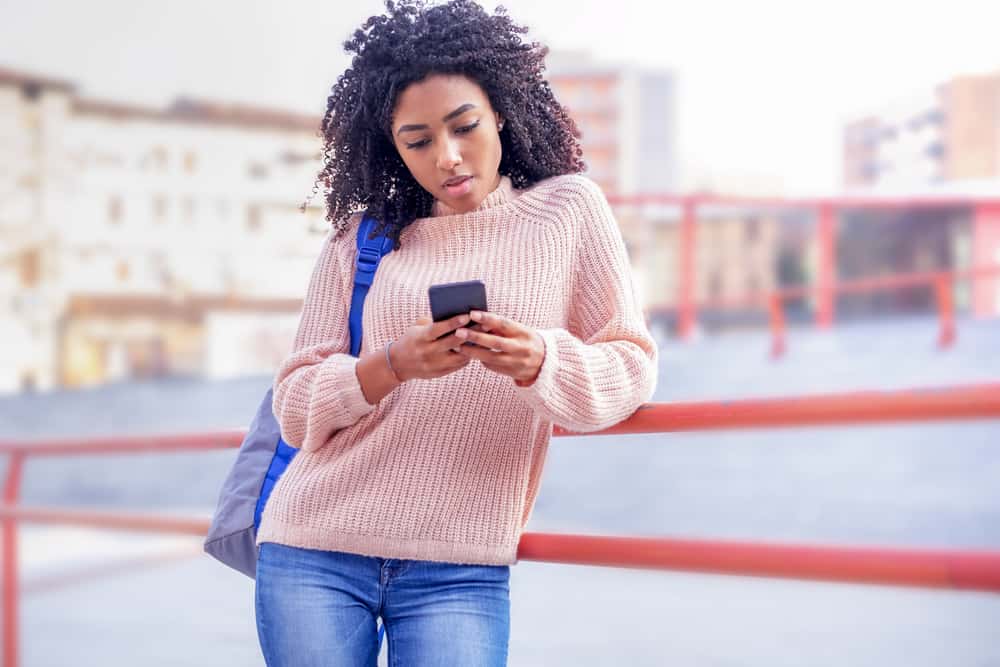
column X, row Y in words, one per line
column 457, row 112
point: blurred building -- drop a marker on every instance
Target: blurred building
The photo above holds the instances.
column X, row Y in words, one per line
column 737, row 252
column 627, row 117
column 946, row 134
column 943, row 141
column 137, row 241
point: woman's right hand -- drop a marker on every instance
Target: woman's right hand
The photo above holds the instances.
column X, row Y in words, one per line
column 418, row 353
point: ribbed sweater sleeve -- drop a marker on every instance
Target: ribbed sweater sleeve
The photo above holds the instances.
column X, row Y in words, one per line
column 316, row 389
column 603, row 367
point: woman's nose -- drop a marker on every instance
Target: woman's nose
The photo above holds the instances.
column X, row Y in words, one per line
column 449, row 157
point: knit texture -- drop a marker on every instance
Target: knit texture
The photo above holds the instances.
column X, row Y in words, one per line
column 448, row 469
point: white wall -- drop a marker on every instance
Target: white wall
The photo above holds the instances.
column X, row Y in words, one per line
column 246, row 344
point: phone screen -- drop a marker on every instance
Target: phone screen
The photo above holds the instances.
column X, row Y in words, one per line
column 450, row 299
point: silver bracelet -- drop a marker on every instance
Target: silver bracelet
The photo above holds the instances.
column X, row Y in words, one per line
column 389, row 362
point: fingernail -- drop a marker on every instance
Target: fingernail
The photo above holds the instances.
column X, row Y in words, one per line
column 476, row 315
column 461, row 333
column 463, row 320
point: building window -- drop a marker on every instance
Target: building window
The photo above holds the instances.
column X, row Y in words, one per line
column 122, row 271
column 31, row 91
column 30, row 268
column 115, row 210
column 187, row 210
column 159, row 208
column 190, row 162
column 253, row 218
column 715, row 284
column 30, row 119
column 102, row 159
column 257, row 171
column 29, row 383
column 158, row 158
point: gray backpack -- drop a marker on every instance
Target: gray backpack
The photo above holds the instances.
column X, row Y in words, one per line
column 264, row 455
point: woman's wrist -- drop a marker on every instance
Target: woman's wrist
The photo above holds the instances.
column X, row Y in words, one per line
column 388, row 362
column 374, row 376
column 527, row 382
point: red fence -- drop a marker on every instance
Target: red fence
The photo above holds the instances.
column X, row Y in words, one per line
column 984, row 212
column 959, row 569
column 943, row 282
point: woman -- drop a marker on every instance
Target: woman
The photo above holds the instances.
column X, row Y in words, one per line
column 421, row 459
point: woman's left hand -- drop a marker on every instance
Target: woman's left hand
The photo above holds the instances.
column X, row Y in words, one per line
column 506, row 346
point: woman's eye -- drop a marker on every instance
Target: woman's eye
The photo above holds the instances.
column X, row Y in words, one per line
column 458, row 130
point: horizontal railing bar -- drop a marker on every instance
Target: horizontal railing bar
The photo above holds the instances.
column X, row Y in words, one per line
column 867, row 407
column 926, row 568
column 837, row 203
column 117, row 520
column 864, row 284
column 979, row 401
column 873, row 283
column 131, row 444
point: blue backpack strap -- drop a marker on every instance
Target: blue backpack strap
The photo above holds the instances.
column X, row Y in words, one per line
column 370, row 253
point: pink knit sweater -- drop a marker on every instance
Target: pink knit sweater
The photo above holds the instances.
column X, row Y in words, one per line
column 448, row 469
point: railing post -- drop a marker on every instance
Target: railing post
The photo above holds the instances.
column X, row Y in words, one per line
column 985, row 252
column 827, row 268
column 11, row 605
column 686, row 310
column 946, row 310
column 777, row 326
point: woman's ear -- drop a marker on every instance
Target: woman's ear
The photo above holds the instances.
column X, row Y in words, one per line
column 499, row 122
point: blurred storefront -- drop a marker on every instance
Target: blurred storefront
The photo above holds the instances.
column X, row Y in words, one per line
column 106, row 339
column 124, row 228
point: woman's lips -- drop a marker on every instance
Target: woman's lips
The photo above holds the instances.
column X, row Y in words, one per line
column 457, row 188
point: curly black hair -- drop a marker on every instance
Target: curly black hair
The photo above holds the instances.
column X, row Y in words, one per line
column 412, row 40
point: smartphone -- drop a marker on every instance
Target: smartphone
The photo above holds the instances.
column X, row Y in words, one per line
column 450, row 299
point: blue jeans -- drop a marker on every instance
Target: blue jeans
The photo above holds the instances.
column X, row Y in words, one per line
column 320, row 608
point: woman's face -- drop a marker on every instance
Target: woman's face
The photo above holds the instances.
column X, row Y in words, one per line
column 447, row 133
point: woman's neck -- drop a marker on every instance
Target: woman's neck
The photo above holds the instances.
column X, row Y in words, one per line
column 501, row 194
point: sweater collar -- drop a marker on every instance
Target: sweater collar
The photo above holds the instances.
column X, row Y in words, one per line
column 503, row 193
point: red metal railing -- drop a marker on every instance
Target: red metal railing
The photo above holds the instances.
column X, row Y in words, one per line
column 930, row 568
column 984, row 210
column 773, row 302
column 960, row 569
column 942, row 281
